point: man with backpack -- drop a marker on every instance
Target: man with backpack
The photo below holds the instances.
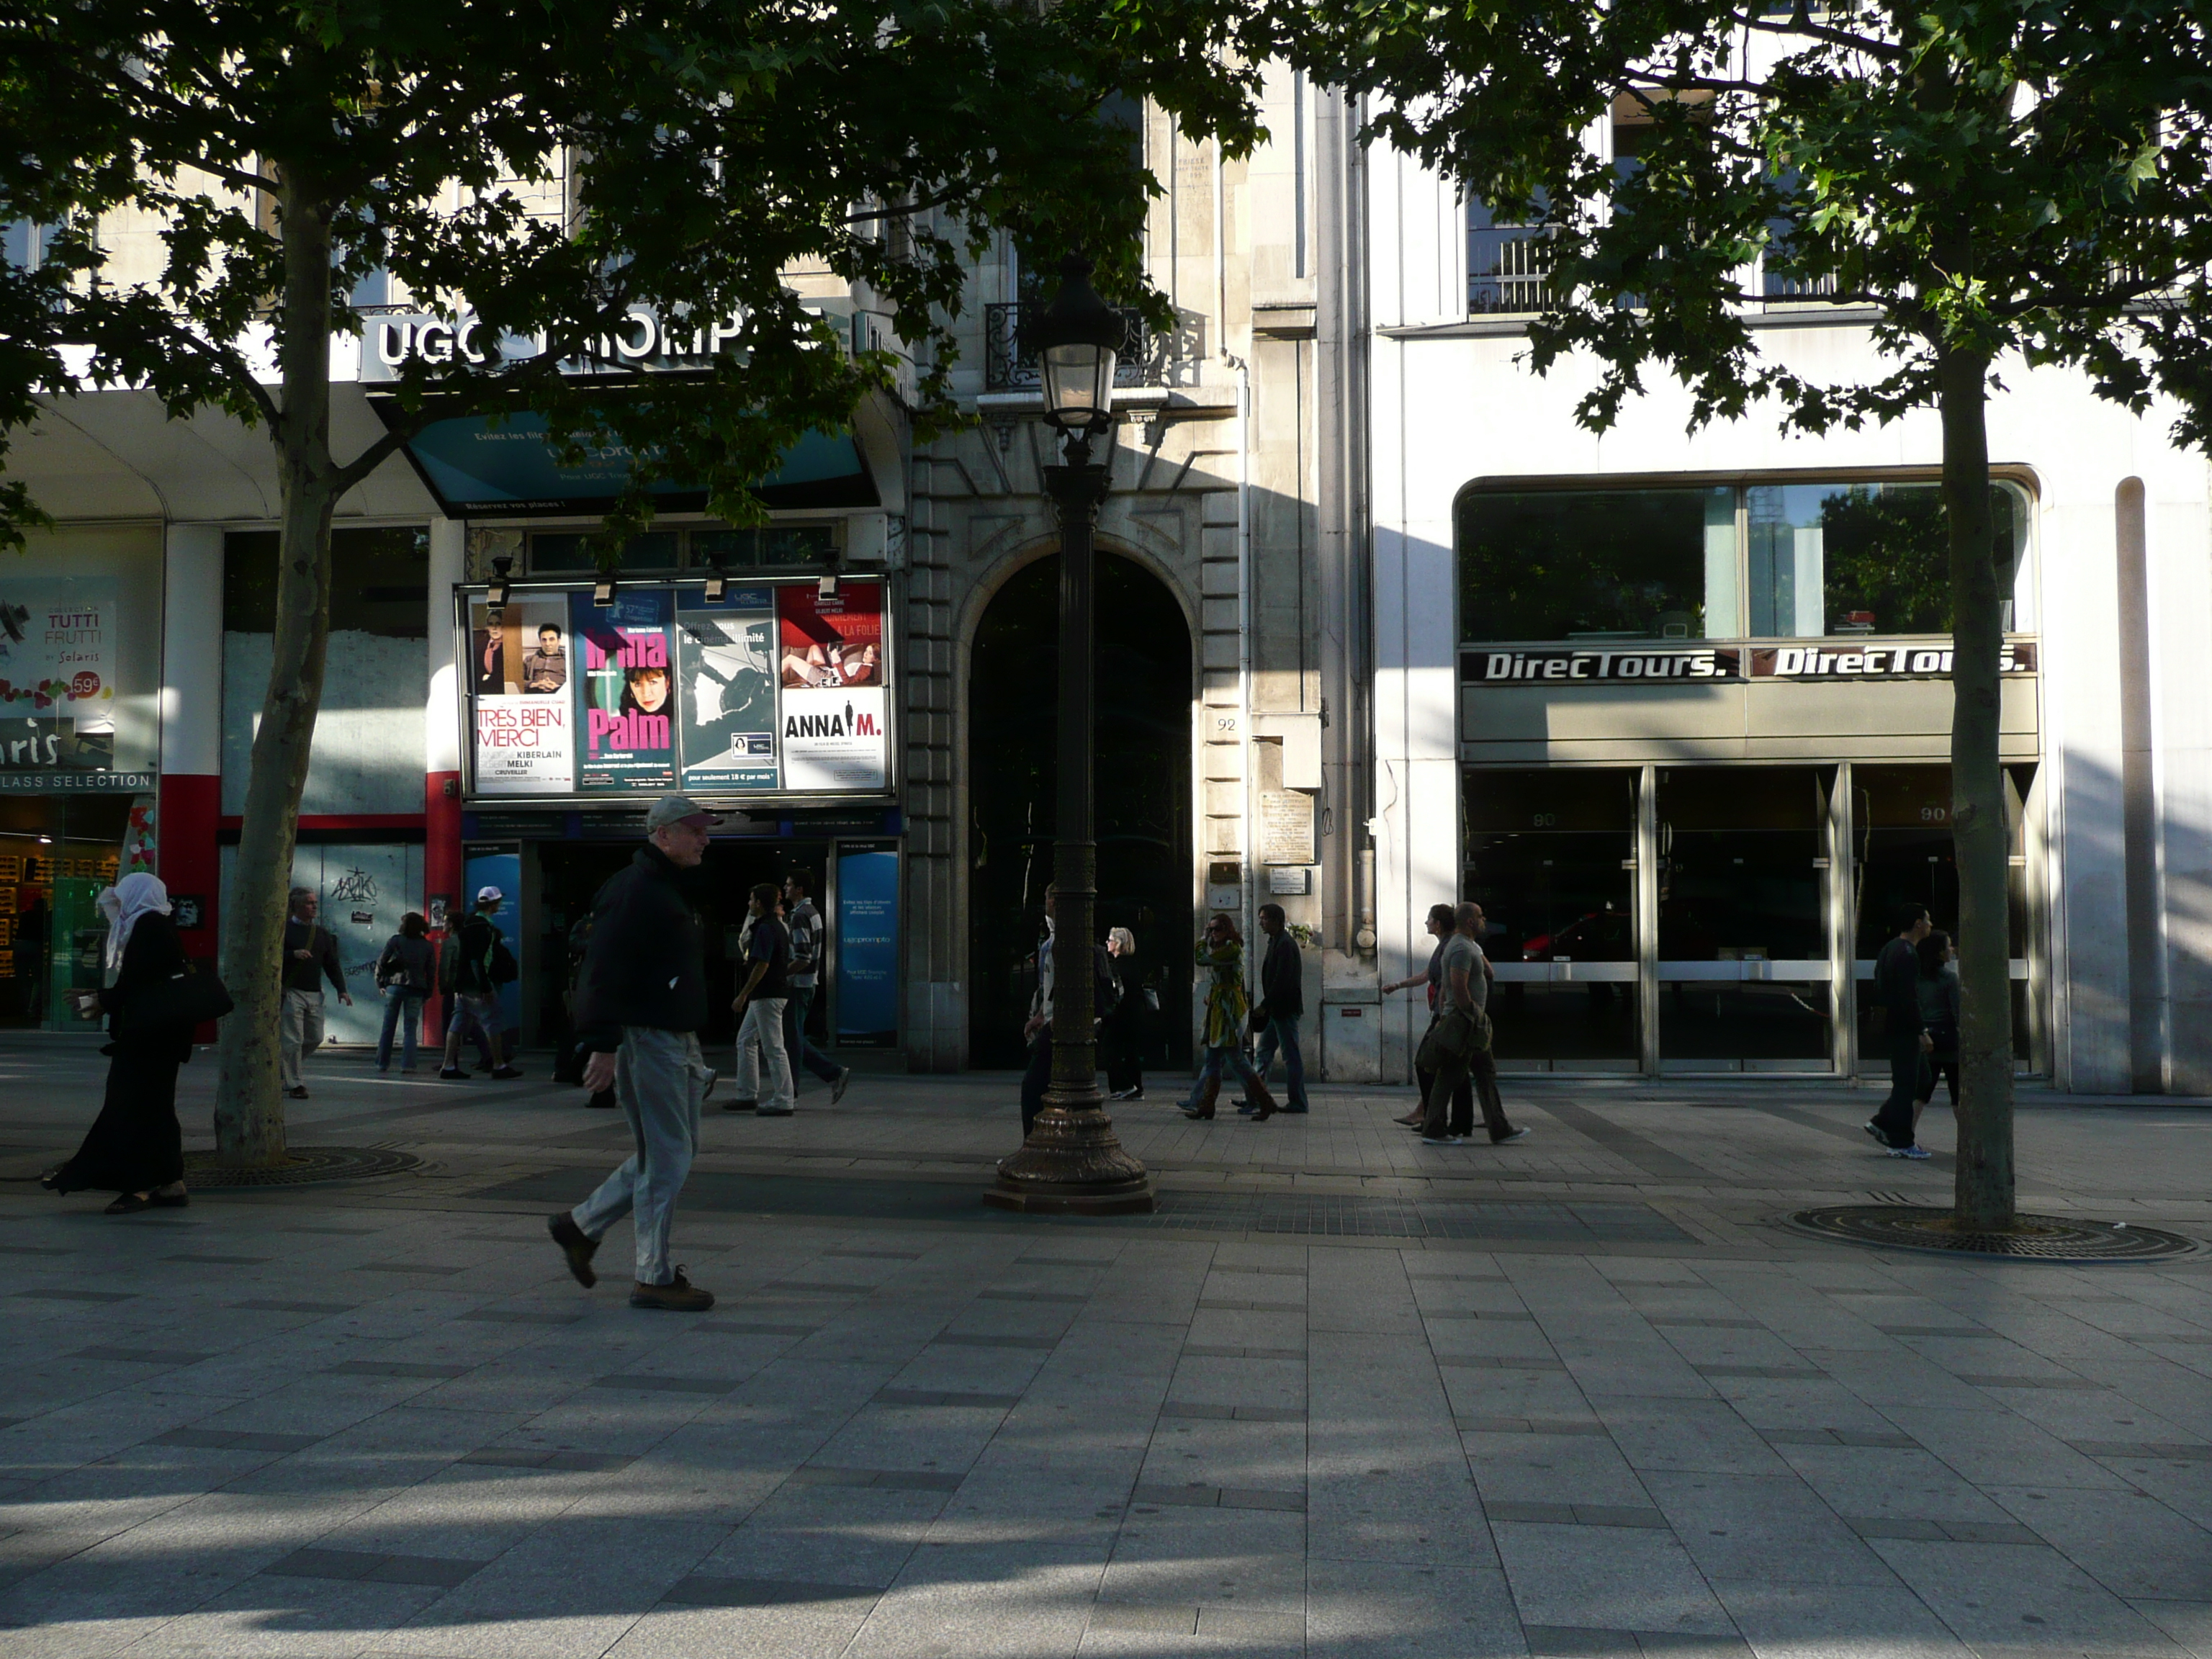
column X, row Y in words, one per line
column 474, row 963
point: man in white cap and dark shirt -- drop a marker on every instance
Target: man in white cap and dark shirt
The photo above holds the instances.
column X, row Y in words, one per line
column 640, row 999
column 468, row 974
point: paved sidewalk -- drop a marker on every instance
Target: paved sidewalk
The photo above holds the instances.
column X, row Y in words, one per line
column 1344, row 1396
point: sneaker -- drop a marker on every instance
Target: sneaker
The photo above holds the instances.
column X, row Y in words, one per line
column 740, row 1105
column 706, row 1092
column 506, row 1074
column 678, row 1295
column 772, row 1111
column 1908, row 1151
column 1245, row 1109
column 575, row 1244
column 1443, row 1140
column 837, row 1088
column 1874, row 1129
column 1511, row 1135
column 1289, row 1111
column 452, row 1073
column 299, row 1093
column 383, row 1071
column 1126, row 1094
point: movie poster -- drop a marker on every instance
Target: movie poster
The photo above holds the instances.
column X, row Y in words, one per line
column 624, row 673
column 832, row 643
column 525, row 714
column 726, row 696
column 835, row 739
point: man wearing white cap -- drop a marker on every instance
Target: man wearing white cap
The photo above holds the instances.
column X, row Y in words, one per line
column 640, row 999
column 474, row 964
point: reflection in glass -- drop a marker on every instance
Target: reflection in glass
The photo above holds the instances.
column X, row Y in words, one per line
column 1547, row 857
column 1860, row 558
column 1593, row 564
column 1741, row 882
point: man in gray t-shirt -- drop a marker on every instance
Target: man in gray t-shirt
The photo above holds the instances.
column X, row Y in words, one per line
column 1465, row 991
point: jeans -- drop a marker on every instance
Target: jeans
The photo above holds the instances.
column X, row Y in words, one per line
column 1218, row 1060
column 1894, row 1118
column 761, row 1033
column 402, row 1011
column 1283, row 1032
column 795, row 1043
column 659, row 1081
column 299, row 1033
column 470, row 1010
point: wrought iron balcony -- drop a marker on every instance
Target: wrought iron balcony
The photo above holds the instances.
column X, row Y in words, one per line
column 1010, row 362
column 1509, row 270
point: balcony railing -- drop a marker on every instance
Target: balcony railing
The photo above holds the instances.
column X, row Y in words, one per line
column 1781, row 288
column 1010, row 362
column 1509, row 270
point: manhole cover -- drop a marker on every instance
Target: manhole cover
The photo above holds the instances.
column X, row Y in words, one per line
column 303, row 1164
column 2036, row 1237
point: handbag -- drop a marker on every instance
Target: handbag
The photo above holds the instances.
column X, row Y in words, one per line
column 186, row 998
column 1256, row 1020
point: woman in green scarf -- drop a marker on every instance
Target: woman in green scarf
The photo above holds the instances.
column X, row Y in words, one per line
column 1221, row 953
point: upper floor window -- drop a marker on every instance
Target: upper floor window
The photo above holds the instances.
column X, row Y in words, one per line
column 694, row 548
column 1778, row 560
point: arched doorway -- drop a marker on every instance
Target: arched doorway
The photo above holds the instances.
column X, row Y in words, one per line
column 1143, row 742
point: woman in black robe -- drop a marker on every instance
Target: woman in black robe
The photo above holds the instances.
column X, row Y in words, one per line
column 135, row 1148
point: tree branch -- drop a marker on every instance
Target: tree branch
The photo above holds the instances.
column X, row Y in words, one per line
column 1799, row 24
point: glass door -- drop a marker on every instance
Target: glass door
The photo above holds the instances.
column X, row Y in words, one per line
column 1902, row 854
column 1551, row 857
column 1744, row 971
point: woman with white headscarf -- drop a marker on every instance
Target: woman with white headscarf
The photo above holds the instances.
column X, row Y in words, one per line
column 135, row 1148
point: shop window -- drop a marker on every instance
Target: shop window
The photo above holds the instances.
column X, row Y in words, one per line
column 1595, row 564
column 1783, row 561
column 568, row 553
column 776, row 547
column 1861, row 558
column 380, row 581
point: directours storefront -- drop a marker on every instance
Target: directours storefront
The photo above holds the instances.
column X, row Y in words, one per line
column 743, row 671
column 1703, row 742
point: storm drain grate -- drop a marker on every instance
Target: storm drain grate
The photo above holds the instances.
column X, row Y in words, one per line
column 301, row 1165
column 2036, row 1237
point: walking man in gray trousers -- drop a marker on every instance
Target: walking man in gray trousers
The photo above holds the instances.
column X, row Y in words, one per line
column 640, row 1001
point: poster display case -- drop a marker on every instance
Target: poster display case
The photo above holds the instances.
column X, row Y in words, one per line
column 760, row 690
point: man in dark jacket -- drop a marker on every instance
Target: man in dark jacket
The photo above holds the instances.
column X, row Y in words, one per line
column 311, row 954
column 470, row 973
column 640, row 1001
column 1897, row 983
column 1282, row 1005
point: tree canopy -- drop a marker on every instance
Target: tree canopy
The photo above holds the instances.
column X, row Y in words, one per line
column 544, row 168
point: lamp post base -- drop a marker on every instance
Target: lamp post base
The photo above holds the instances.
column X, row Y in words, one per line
column 1072, row 1165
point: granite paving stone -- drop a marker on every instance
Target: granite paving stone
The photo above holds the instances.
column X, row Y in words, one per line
column 1342, row 1396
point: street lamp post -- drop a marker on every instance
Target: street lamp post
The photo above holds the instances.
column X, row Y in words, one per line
column 1071, row 1163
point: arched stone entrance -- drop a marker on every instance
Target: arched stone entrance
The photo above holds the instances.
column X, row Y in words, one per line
column 1143, row 767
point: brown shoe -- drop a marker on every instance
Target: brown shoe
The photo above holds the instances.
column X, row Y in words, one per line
column 679, row 1295
column 1263, row 1102
column 1204, row 1110
column 576, row 1245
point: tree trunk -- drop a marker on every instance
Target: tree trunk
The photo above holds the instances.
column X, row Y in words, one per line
column 249, row 1109
column 1983, row 1193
